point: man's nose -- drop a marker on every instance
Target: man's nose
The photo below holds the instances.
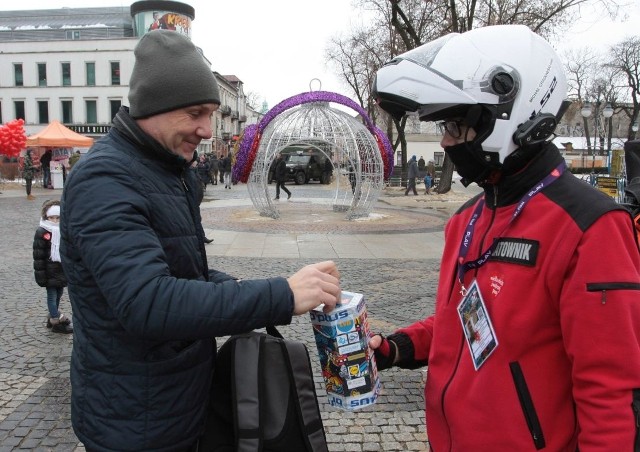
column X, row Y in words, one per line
column 447, row 140
column 205, row 130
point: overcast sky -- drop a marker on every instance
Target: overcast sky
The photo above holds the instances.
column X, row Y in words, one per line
column 276, row 48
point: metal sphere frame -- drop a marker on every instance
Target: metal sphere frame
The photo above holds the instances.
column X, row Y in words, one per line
column 358, row 166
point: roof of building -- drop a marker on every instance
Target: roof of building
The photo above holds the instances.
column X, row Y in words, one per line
column 232, row 79
column 117, row 16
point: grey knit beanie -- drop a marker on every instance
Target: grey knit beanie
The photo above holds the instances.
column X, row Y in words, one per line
column 169, row 73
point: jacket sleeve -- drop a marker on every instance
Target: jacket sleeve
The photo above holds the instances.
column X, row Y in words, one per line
column 217, row 276
column 414, row 343
column 600, row 320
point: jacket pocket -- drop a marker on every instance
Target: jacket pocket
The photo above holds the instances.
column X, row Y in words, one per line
column 635, row 405
column 606, row 286
column 526, row 403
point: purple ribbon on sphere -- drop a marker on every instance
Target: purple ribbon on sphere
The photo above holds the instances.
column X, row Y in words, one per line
column 251, row 136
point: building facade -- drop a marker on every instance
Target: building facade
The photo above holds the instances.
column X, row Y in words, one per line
column 74, row 65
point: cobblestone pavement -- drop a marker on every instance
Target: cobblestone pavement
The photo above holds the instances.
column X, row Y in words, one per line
column 34, row 363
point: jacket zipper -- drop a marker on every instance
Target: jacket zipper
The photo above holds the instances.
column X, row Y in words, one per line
column 453, row 374
column 460, row 349
column 604, row 286
column 526, row 403
column 446, row 387
column 635, row 405
column 203, row 253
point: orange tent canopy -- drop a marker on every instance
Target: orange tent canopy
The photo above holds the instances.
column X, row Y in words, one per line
column 57, row 135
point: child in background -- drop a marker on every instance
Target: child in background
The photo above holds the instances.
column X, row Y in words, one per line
column 427, row 183
column 47, row 266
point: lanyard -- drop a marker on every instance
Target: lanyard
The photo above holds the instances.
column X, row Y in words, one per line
column 463, row 266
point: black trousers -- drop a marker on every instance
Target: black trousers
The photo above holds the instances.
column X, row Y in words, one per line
column 411, row 186
column 280, row 184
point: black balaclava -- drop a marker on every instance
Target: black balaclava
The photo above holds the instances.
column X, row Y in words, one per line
column 471, row 161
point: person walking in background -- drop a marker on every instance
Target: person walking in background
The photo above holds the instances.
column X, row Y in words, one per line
column 535, row 339
column 412, row 173
column 427, row 183
column 28, row 170
column 45, row 164
column 226, row 171
column 202, row 169
column 281, row 176
column 147, row 307
column 47, row 268
column 214, row 168
column 353, row 176
column 327, row 171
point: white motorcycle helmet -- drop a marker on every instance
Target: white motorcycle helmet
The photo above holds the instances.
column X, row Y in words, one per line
column 506, row 81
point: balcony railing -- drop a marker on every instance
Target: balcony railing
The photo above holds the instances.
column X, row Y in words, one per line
column 235, row 114
column 225, row 110
column 242, row 118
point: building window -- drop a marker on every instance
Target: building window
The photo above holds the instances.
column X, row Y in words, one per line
column 115, row 106
column 91, row 74
column 67, row 112
column 18, row 106
column 66, row 74
column 92, row 112
column 17, row 74
column 115, row 72
column 43, row 112
column 42, row 74
column 438, row 157
column 73, row 34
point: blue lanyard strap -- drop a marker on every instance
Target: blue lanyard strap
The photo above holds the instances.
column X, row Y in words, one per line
column 465, row 244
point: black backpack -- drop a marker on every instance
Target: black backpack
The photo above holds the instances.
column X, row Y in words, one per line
column 263, row 397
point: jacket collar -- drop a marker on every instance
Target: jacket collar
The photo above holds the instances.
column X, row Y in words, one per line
column 510, row 189
column 144, row 142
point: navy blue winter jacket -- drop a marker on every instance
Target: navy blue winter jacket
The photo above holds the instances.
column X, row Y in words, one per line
column 146, row 307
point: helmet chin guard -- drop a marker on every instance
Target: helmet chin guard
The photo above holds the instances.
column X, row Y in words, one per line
column 511, row 73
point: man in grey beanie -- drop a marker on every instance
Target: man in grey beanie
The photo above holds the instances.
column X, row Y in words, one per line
column 169, row 73
column 147, row 307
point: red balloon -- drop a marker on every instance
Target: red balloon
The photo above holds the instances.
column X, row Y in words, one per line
column 12, row 138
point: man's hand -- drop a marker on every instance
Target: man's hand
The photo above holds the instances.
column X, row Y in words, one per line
column 314, row 285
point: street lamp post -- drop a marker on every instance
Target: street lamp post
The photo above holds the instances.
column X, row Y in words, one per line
column 607, row 113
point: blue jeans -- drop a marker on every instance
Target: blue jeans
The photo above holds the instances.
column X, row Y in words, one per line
column 53, row 300
column 46, row 177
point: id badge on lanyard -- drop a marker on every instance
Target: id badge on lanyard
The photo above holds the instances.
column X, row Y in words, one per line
column 476, row 324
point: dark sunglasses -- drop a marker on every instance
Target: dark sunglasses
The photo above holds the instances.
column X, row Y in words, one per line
column 454, row 127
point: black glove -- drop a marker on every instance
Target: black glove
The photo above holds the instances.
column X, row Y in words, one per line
column 385, row 354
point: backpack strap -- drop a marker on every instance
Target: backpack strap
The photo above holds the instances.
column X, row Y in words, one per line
column 273, row 331
column 246, row 406
column 297, row 358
